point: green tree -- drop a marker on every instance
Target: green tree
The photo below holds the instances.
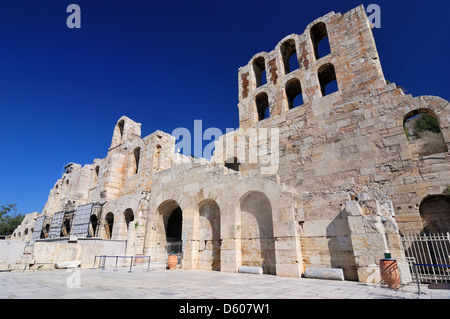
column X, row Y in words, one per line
column 426, row 123
column 7, row 222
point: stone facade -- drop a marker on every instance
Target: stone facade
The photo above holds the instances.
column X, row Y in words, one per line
column 330, row 182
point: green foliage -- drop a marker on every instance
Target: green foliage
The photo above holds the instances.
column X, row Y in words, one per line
column 408, row 137
column 9, row 223
column 426, row 123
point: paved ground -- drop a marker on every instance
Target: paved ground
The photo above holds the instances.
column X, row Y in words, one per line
column 194, row 284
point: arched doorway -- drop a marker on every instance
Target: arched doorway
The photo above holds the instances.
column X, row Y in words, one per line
column 109, row 219
column 209, row 235
column 174, row 225
column 257, row 240
column 169, row 229
column 435, row 214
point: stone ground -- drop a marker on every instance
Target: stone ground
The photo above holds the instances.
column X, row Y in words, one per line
column 191, row 284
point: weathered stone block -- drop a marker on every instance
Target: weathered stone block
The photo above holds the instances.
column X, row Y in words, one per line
column 324, row 273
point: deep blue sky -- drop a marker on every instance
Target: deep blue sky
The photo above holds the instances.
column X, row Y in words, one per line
column 163, row 64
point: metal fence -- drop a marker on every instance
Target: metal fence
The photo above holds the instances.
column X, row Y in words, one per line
column 428, row 256
column 100, row 261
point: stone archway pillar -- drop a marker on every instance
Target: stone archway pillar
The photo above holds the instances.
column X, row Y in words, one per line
column 230, row 248
column 230, row 255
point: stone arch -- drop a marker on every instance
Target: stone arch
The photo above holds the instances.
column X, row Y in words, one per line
column 326, row 75
column 45, row 230
column 137, row 157
column 437, row 106
column 128, row 215
column 434, row 212
column 209, row 235
column 119, row 131
column 93, row 225
column 97, row 172
column 168, row 226
column 319, row 39
column 257, row 236
column 259, row 70
column 125, row 130
column 262, row 106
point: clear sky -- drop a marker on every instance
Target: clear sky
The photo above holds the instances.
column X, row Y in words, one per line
column 164, row 64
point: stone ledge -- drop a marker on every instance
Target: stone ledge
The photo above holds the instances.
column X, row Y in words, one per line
column 324, row 273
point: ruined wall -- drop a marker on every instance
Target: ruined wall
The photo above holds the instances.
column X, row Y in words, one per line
column 334, row 147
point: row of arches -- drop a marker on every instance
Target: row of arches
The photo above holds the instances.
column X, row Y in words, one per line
column 25, row 233
column 98, row 226
column 288, row 52
column 293, row 92
column 108, row 224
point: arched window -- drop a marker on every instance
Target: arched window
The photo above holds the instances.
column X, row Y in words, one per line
column 327, row 79
column 175, row 225
column 259, row 67
column 262, row 106
column 319, row 38
column 45, row 230
column 423, row 133
column 94, row 224
column 97, row 171
column 65, row 230
column 137, row 156
column 257, row 235
column 109, row 224
column 209, row 236
column 289, row 54
column 121, row 126
column 294, row 93
column 129, row 216
column 118, row 135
